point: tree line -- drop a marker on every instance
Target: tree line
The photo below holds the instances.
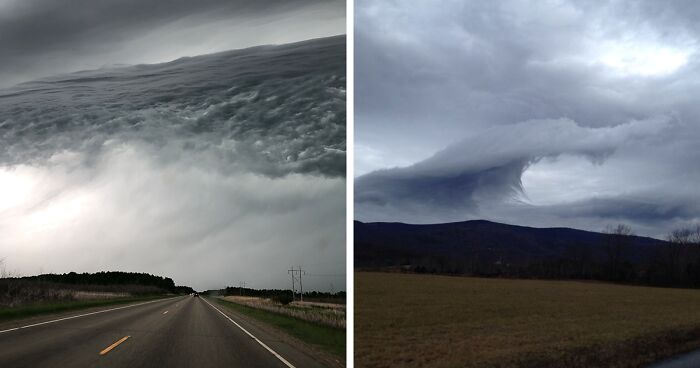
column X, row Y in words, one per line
column 278, row 294
column 164, row 284
column 674, row 262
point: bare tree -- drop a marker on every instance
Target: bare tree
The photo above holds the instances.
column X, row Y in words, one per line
column 675, row 254
column 617, row 240
column 681, row 256
column 4, row 273
column 581, row 260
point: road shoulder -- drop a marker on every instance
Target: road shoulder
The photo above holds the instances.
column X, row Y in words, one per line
column 298, row 352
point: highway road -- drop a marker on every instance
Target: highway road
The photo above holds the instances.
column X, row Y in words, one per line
column 174, row 332
column 688, row 360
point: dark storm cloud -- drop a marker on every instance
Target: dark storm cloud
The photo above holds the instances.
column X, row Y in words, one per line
column 44, row 37
column 651, row 213
column 211, row 170
column 488, row 168
column 252, row 107
column 645, row 209
column 613, row 80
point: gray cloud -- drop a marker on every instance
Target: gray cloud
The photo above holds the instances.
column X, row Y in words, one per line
column 43, row 37
column 264, row 108
column 190, row 222
column 542, row 106
column 210, row 170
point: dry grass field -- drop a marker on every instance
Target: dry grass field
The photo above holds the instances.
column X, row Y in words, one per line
column 406, row 320
column 327, row 314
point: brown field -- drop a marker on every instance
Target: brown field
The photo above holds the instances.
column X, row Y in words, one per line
column 327, row 314
column 405, row 320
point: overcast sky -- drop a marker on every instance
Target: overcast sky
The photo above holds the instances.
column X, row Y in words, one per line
column 541, row 113
column 211, row 170
column 46, row 37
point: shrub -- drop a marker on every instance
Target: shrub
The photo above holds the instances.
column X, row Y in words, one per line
column 283, row 299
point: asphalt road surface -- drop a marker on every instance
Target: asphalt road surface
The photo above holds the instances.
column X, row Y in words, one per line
column 175, row 332
column 688, row 360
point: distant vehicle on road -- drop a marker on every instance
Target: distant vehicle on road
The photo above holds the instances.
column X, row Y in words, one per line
column 195, row 295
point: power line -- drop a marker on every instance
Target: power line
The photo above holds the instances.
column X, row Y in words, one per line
column 296, row 276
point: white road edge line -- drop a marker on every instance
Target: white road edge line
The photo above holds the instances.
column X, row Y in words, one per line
column 288, row 364
column 83, row 315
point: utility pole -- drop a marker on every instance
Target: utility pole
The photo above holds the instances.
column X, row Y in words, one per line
column 301, row 288
column 294, row 274
column 291, row 272
column 241, row 285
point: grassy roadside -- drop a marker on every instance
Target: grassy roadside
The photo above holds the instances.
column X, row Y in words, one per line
column 327, row 338
column 8, row 314
column 441, row 321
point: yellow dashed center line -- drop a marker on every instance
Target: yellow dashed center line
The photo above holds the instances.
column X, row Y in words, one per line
column 165, row 312
column 109, row 348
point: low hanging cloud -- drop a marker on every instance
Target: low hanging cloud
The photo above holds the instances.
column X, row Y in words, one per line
column 41, row 38
column 201, row 226
column 482, row 176
column 211, row 170
column 541, row 113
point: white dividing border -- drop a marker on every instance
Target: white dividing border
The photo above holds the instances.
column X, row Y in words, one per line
column 350, row 177
column 287, row 363
column 83, row 315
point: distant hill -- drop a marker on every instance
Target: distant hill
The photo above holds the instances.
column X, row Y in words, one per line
column 484, row 247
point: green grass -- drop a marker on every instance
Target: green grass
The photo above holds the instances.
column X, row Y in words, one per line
column 439, row 321
column 327, row 338
column 7, row 314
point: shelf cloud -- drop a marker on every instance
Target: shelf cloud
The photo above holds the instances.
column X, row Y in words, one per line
column 211, row 169
column 41, row 38
column 549, row 114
